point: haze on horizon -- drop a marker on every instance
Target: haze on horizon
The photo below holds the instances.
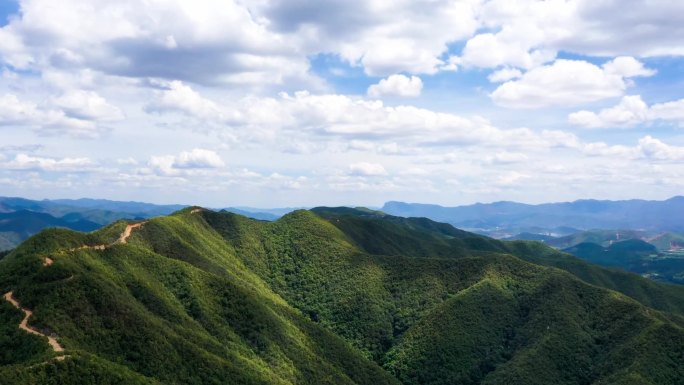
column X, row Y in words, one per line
column 296, row 103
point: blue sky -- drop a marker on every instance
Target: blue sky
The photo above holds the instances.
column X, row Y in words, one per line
column 298, row 103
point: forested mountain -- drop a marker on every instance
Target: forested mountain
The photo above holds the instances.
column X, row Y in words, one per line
column 327, row 296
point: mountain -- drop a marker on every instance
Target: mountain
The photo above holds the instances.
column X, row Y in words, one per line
column 21, row 218
column 18, row 225
column 620, row 254
column 581, row 214
column 140, row 209
column 327, row 296
column 636, row 256
column 260, row 215
column 600, row 237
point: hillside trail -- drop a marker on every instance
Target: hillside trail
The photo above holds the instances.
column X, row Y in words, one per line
column 23, row 325
column 47, row 261
column 127, row 232
column 123, row 239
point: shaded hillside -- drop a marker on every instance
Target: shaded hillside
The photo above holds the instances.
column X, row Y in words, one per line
column 337, row 296
column 18, row 225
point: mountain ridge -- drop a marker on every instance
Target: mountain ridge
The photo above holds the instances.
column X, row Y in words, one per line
column 582, row 214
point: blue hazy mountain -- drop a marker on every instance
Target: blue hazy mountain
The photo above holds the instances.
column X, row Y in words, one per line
column 582, row 214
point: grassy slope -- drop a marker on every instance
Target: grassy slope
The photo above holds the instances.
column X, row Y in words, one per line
column 175, row 306
column 478, row 317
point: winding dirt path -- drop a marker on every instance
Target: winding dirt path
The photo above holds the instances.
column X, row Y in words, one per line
column 23, row 325
column 123, row 239
column 127, row 232
column 47, row 261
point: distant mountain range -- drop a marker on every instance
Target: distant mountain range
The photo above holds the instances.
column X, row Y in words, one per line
column 582, row 214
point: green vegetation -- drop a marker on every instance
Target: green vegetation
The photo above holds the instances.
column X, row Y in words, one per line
column 329, row 296
column 635, row 256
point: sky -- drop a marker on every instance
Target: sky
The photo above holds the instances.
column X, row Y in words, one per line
column 272, row 103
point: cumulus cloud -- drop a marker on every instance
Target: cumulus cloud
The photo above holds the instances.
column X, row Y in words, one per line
column 198, row 158
column 569, row 82
column 179, row 97
column 206, row 41
column 504, row 74
column 44, row 119
column 310, row 117
column 184, row 163
column 87, row 105
column 28, row 162
column 648, row 148
column 367, row 169
column 506, row 157
column 631, row 110
column 384, row 37
column 529, row 33
column 397, row 85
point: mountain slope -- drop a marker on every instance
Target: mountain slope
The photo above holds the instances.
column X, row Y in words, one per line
column 202, row 297
column 383, row 303
column 192, row 315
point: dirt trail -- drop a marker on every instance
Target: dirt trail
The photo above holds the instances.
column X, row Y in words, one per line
column 23, row 325
column 127, row 232
column 195, row 211
column 47, row 261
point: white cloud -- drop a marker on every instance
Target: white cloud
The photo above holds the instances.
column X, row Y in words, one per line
column 504, row 74
column 490, row 50
column 568, row 82
column 653, row 148
column 512, row 178
column 45, row 120
column 669, row 111
column 367, row 169
column 206, row 41
column 384, row 37
column 506, row 157
column 648, row 148
column 631, row 110
column 27, row 162
column 179, row 97
column 184, row 164
column 87, row 105
column 365, row 125
column 397, row 85
column 198, row 158
column 627, row 67
column 528, row 33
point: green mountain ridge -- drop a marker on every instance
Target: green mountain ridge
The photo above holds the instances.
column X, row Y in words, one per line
column 333, row 296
